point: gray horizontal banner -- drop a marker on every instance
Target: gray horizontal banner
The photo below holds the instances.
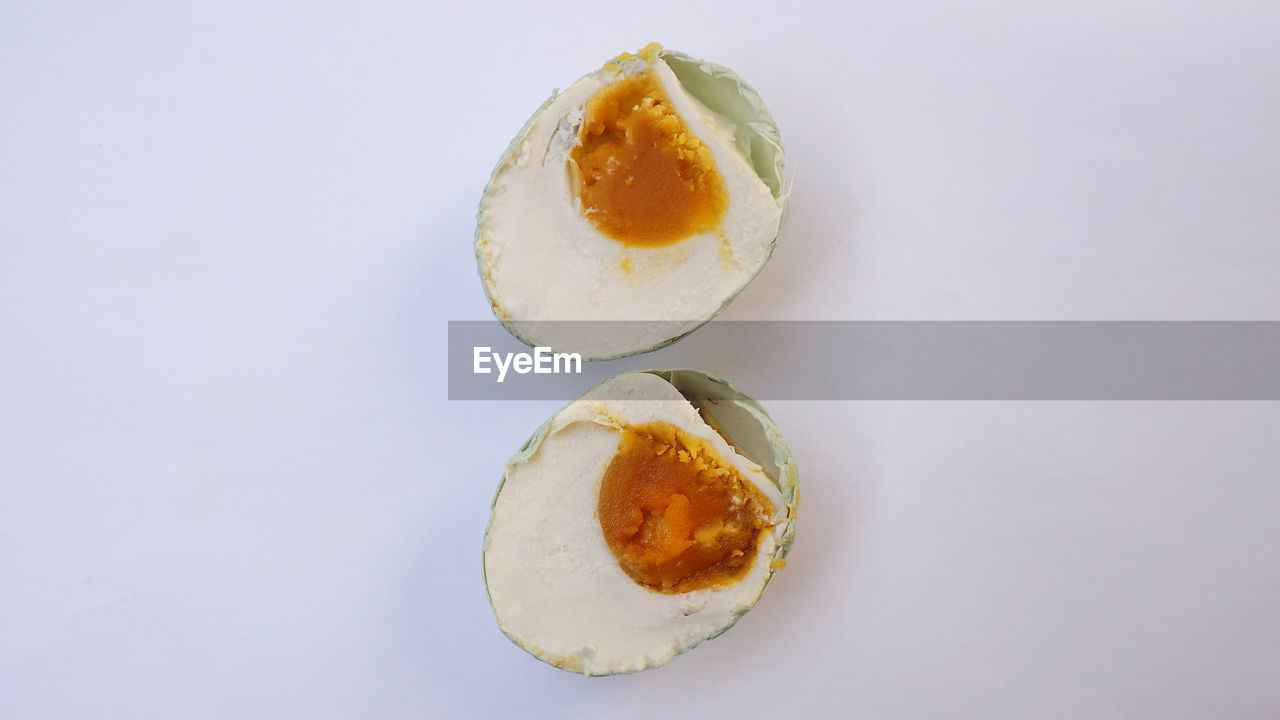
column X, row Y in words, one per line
column 927, row 360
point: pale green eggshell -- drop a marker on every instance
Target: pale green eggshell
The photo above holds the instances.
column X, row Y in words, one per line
column 745, row 424
column 756, row 135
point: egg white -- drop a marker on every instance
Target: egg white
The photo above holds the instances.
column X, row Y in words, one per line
column 555, row 586
column 543, row 262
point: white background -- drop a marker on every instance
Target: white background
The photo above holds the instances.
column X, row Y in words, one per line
column 231, row 235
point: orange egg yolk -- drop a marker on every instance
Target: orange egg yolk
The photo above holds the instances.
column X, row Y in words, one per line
column 641, row 175
column 677, row 516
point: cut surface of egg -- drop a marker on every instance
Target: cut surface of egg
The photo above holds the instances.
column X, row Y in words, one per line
column 648, row 193
column 629, row 528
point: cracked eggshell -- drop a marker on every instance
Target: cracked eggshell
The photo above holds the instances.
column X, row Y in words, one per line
column 661, row 294
column 561, row 600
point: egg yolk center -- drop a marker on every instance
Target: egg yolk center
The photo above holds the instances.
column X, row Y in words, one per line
column 677, row 516
column 641, row 175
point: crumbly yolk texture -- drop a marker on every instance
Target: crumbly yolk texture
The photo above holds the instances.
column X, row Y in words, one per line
column 641, row 175
column 678, row 516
